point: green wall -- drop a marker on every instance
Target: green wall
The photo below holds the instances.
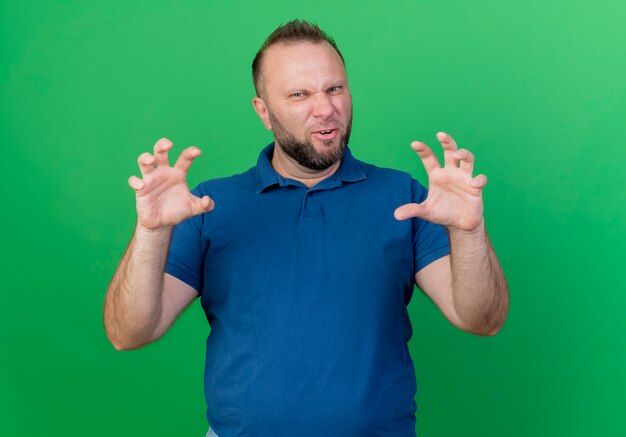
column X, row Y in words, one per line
column 535, row 89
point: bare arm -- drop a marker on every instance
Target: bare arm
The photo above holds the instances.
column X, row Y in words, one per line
column 142, row 302
column 469, row 286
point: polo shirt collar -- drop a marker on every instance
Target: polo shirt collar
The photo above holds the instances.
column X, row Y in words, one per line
column 349, row 171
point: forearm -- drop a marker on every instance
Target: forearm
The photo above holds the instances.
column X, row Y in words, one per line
column 479, row 287
column 133, row 306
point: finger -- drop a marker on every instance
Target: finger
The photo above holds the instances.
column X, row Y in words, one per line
column 202, row 205
column 186, row 158
column 146, row 163
column 135, row 183
column 410, row 210
column 429, row 160
column 479, row 181
column 449, row 147
column 160, row 151
column 466, row 160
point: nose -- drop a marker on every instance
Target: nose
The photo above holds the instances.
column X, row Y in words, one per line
column 323, row 106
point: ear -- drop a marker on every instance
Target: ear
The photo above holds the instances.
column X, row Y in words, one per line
column 261, row 109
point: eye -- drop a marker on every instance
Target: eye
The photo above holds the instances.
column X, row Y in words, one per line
column 297, row 95
column 334, row 89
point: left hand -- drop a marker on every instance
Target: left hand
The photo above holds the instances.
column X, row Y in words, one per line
column 454, row 195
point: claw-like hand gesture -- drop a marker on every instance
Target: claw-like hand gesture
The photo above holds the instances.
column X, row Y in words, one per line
column 163, row 197
column 454, row 195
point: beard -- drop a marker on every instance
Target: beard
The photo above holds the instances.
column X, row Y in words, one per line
column 303, row 152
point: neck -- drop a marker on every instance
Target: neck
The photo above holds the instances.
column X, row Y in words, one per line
column 287, row 167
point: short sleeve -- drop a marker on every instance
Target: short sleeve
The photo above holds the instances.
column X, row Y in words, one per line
column 430, row 241
column 185, row 259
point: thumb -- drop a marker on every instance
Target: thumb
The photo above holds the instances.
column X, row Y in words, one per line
column 410, row 210
column 201, row 205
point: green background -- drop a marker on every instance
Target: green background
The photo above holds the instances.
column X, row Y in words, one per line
column 535, row 89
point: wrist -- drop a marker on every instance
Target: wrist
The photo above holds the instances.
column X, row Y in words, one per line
column 162, row 231
column 477, row 232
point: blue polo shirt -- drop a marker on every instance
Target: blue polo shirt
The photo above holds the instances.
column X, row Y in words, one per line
column 305, row 290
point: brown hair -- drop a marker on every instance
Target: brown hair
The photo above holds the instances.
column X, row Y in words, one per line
column 292, row 32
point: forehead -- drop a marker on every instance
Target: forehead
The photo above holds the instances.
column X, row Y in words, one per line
column 300, row 64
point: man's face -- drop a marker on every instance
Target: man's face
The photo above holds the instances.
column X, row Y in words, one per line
column 309, row 107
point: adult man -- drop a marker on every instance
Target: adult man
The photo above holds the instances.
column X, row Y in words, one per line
column 303, row 271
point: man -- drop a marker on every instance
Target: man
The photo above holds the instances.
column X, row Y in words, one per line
column 305, row 263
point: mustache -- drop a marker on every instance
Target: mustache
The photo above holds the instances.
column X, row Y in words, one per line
column 328, row 124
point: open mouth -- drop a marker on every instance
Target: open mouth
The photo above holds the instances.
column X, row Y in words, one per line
column 326, row 134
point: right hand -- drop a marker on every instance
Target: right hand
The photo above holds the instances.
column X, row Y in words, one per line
column 163, row 197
